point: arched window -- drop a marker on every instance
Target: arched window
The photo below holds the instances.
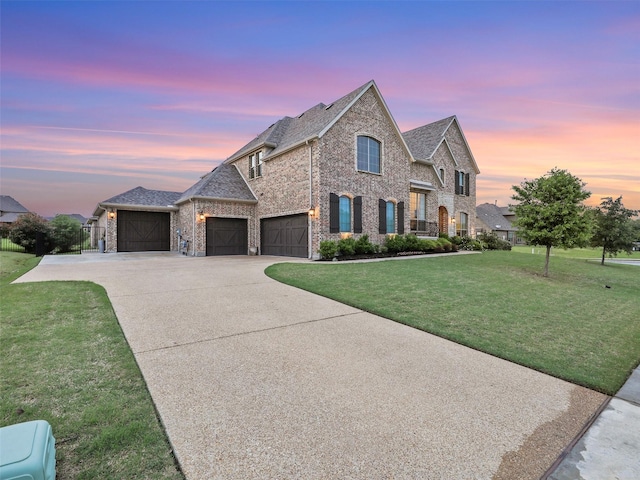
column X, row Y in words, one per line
column 368, row 155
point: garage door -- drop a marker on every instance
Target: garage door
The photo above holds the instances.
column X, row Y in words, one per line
column 286, row 236
column 226, row 236
column 143, row 231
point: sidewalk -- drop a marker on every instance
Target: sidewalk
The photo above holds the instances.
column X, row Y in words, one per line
column 610, row 448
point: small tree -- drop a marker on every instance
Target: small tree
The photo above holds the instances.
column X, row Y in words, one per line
column 551, row 212
column 614, row 229
column 25, row 230
column 66, row 232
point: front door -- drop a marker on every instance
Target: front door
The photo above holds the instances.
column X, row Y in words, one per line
column 443, row 220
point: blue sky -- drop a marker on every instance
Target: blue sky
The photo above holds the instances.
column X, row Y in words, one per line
column 100, row 97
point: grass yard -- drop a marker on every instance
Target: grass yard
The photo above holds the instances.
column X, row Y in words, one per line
column 568, row 325
column 65, row 360
column 580, row 253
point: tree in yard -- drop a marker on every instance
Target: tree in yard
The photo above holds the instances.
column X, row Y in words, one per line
column 550, row 212
column 26, row 229
column 614, row 229
column 66, row 232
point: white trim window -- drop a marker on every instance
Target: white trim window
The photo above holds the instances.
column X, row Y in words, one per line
column 369, row 153
column 255, row 165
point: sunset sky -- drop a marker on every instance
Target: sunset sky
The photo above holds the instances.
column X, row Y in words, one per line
column 100, row 97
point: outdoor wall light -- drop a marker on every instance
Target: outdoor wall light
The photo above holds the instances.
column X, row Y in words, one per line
column 112, row 214
column 312, row 212
column 201, row 215
column 453, row 220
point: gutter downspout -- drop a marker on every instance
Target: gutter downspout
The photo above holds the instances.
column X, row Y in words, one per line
column 310, row 252
column 193, row 232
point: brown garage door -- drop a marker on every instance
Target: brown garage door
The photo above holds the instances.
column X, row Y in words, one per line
column 226, row 236
column 143, row 231
column 286, row 236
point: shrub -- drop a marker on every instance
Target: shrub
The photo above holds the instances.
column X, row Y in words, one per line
column 347, row 246
column 25, row 230
column 444, row 243
column 457, row 240
column 328, row 249
column 468, row 243
column 443, row 235
column 395, row 243
column 411, row 243
column 4, row 230
column 66, row 233
column 364, row 246
column 427, row 245
column 492, row 242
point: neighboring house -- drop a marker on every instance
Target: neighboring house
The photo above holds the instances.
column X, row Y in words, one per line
column 10, row 209
column 75, row 216
column 491, row 218
column 334, row 171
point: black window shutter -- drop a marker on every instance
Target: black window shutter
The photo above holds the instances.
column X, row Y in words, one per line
column 382, row 220
column 357, row 215
column 457, row 182
column 334, row 213
column 401, row 218
column 467, row 186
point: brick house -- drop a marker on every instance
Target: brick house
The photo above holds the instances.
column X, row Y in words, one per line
column 342, row 169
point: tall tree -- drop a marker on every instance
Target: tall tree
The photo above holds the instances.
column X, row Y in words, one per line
column 614, row 229
column 550, row 212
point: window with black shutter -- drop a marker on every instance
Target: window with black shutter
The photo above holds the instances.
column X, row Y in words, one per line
column 334, row 213
column 401, row 218
column 467, row 185
column 382, row 216
column 357, row 215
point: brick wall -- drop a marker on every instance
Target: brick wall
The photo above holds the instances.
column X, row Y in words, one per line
column 338, row 174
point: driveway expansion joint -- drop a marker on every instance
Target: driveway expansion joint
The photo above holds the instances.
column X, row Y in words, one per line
column 239, row 334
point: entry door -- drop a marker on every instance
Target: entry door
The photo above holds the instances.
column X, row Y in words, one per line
column 443, row 220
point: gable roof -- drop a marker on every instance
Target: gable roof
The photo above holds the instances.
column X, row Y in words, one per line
column 492, row 216
column 222, row 183
column 159, row 200
column 10, row 209
column 424, row 141
column 288, row 132
column 10, row 204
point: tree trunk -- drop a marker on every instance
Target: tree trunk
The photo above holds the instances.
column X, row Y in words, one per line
column 603, row 252
column 546, row 261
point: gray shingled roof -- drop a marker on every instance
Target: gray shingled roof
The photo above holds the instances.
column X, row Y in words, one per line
column 424, row 141
column 9, row 204
column 492, row 216
column 143, row 197
column 288, row 132
column 223, row 182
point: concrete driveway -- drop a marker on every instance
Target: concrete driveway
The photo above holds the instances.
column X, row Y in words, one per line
column 255, row 379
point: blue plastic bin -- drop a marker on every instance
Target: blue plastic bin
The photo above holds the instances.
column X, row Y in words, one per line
column 27, row 451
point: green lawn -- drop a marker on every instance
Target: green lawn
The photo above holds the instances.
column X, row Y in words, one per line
column 568, row 325
column 584, row 253
column 65, row 360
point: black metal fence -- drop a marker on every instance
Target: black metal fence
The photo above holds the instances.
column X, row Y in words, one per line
column 86, row 239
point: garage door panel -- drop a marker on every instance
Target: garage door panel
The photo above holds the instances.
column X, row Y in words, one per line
column 143, row 231
column 285, row 236
column 226, row 236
